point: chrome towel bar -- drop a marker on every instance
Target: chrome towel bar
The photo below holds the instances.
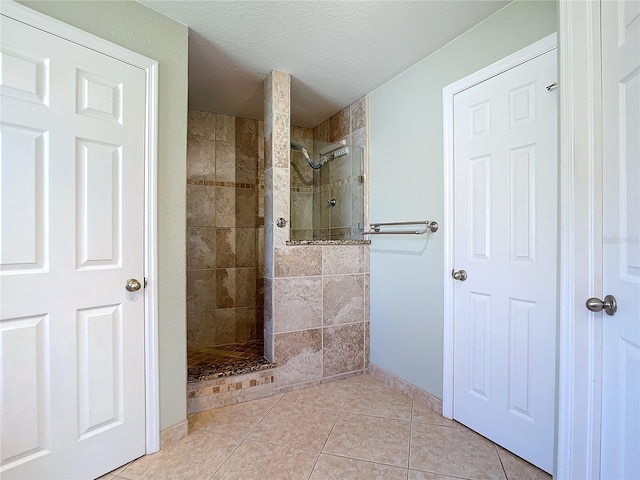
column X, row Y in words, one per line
column 376, row 228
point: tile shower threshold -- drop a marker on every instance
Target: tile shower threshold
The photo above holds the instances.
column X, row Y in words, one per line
column 228, row 369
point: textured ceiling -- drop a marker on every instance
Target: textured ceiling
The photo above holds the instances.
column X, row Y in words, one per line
column 335, row 51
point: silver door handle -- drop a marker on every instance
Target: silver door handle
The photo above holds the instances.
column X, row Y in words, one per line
column 609, row 305
column 132, row 285
column 459, row 275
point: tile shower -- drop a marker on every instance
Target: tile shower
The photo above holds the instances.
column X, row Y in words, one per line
column 224, row 236
column 314, row 306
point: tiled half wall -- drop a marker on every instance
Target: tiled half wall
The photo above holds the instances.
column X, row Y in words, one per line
column 316, row 297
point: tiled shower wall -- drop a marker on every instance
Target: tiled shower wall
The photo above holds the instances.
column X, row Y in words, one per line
column 302, row 186
column 225, row 254
column 316, row 297
column 341, row 179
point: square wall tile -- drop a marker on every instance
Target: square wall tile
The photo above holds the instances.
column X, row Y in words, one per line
column 300, row 261
column 340, row 125
column 201, row 158
column 245, row 325
column 297, row 303
column 236, row 287
column 358, row 114
column 299, row 356
column 246, row 132
column 343, row 349
column 301, row 211
column 201, row 247
column 225, row 128
column 201, row 290
column 201, row 124
column 236, row 247
column 343, row 299
column 201, row 206
column 338, row 259
column 225, row 161
column 201, row 329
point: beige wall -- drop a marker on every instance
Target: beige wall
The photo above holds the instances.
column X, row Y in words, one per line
column 148, row 33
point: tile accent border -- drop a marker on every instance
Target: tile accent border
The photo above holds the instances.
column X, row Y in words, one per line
column 405, row 387
column 224, row 391
column 171, row 435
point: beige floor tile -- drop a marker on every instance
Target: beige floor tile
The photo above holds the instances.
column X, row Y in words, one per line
column 108, row 476
column 453, row 451
column 372, row 397
column 236, row 420
column 328, row 396
column 424, row 414
column 262, row 461
column 518, row 469
column 330, row 467
column 295, row 426
column 418, row 475
column 195, row 457
column 381, row 440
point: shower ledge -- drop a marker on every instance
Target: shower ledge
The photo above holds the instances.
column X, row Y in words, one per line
column 293, row 243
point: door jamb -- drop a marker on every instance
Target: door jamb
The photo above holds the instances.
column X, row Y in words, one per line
column 38, row 20
column 534, row 50
column 579, row 380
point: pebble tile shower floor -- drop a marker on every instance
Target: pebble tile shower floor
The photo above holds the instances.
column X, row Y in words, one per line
column 206, row 363
column 358, row 428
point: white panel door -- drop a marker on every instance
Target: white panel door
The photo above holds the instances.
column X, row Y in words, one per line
column 72, row 180
column 505, row 163
column 621, row 242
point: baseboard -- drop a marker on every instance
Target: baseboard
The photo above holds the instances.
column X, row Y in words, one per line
column 417, row 394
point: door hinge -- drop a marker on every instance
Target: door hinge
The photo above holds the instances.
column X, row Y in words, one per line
column 552, row 86
column 146, row 282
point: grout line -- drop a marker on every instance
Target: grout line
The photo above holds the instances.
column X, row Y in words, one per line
column 410, row 438
column 334, row 423
column 500, row 459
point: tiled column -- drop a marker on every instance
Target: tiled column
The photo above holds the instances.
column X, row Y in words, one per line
column 293, row 281
column 277, row 122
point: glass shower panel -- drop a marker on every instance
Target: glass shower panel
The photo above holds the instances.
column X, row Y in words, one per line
column 333, row 208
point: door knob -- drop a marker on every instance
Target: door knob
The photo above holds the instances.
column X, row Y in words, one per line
column 459, row 275
column 609, row 305
column 132, row 285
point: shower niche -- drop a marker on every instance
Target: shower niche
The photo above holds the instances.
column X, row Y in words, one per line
column 327, row 188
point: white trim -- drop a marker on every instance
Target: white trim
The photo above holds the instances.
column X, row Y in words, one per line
column 579, row 334
column 38, row 20
column 534, row 50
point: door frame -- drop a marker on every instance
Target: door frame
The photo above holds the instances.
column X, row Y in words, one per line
column 38, row 20
column 534, row 50
column 579, row 409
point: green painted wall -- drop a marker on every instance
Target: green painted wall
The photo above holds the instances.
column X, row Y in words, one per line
column 406, row 183
column 148, row 33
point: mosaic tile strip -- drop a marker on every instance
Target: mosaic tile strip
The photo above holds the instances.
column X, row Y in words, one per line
column 215, row 183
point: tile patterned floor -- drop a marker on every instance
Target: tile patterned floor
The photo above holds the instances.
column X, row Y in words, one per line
column 357, row 428
column 207, row 363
